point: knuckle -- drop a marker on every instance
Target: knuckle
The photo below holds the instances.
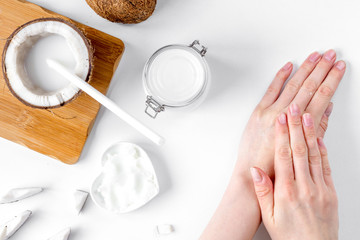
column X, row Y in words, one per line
column 308, row 196
column 307, row 66
column 292, row 86
column 326, row 91
column 262, row 191
column 295, row 122
column 324, row 124
column 310, row 86
column 284, row 152
column 287, row 192
column 326, row 169
column 328, row 201
column 299, row 149
column 271, row 90
column 311, row 138
column 315, row 161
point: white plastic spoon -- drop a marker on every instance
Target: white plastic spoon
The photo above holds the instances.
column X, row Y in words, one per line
column 106, row 102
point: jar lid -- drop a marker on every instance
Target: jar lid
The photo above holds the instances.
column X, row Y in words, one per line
column 176, row 75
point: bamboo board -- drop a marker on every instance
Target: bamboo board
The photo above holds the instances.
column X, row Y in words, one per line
column 61, row 132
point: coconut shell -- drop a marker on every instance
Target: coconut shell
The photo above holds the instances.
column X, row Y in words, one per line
column 87, row 43
column 124, row 11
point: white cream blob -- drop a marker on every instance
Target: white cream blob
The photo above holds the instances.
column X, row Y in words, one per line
column 128, row 180
column 175, row 76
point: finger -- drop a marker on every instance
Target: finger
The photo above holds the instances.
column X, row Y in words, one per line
column 314, row 80
column 323, row 95
column 313, row 150
column 325, row 164
column 298, row 145
column 324, row 121
column 293, row 86
column 273, row 91
column 283, row 163
column 264, row 192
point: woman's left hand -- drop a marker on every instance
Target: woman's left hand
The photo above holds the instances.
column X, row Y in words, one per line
column 303, row 202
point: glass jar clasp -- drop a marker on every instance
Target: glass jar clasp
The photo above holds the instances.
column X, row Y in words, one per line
column 154, row 105
column 202, row 50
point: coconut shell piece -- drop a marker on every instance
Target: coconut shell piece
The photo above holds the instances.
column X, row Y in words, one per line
column 13, row 35
column 124, row 11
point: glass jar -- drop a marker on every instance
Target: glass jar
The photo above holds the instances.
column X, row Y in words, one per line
column 176, row 76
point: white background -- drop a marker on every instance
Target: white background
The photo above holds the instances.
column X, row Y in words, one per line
column 248, row 42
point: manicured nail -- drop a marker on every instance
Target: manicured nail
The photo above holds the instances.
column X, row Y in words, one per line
column 329, row 109
column 282, row 119
column 294, row 110
column 340, row 65
column 321, row 142
column 307, row 120
column 314, row 57
column 330, row 55
column 287, row 66
column 256, row 176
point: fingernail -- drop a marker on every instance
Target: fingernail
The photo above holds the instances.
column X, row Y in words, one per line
column 287, row 66
column 329, row 110
column 282, row 119
column 321, row 142
column 330, row 55
column 308, row 122
column 294, row 110
column 256, row 176
column 314, row 57
column 340, row 65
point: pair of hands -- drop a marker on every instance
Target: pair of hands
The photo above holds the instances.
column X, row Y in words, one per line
column 302, row 202
column 296, row 207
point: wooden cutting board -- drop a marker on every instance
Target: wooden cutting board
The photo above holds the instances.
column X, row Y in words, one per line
column 61, row 132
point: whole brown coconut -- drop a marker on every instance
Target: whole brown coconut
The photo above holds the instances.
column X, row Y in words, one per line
column 125, row 11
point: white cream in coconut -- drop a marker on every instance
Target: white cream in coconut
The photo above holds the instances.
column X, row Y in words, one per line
column 17, row 51
column 128, row 180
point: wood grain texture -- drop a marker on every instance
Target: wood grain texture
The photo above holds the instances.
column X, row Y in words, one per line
column 62, row 132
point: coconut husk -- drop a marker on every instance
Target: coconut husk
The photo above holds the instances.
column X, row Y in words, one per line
column 124, row 11
column 87, row 43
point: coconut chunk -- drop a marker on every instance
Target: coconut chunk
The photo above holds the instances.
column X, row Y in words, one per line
column 17, row 194
column 80, row 198
column 62, row 235
column 164, row 229
column 19, row 44
column 3, row 233
column 15, row 223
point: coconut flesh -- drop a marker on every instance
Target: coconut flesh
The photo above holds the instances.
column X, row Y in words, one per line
column 16, row 51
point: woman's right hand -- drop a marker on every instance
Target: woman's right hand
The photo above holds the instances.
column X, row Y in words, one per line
column 303, row 202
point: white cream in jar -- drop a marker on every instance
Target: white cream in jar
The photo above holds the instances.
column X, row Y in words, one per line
column 175, row 76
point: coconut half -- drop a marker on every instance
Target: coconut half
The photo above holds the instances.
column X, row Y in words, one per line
column 17, row 48
column 124, row 11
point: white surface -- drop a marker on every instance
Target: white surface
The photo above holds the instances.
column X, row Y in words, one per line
column 248, row 42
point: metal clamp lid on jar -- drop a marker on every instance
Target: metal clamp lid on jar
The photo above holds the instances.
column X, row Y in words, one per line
column 158, row 107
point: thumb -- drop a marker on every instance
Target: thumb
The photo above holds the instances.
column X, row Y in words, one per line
column 264, row 191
